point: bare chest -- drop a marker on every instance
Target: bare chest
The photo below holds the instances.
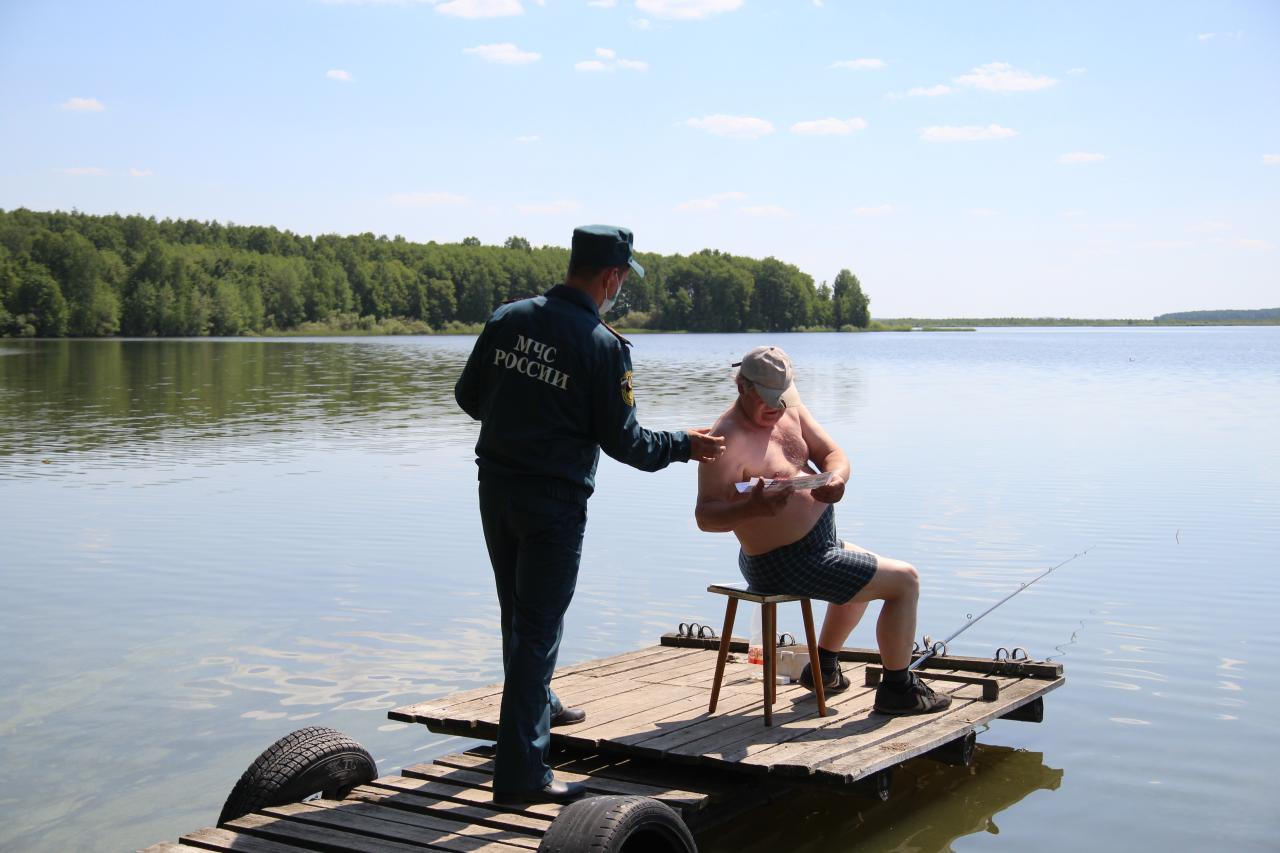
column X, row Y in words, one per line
column 782, row 452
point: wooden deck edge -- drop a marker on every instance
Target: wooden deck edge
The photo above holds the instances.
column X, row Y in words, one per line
column 1020, row 668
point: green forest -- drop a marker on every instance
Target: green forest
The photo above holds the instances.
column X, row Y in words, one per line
column 79, row 275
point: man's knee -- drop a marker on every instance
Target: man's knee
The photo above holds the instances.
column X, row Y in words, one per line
column 901, row 579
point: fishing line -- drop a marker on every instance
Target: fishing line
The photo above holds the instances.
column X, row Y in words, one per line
column 935, row 648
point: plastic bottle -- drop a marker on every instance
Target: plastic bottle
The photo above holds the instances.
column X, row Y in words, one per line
column 755, row 649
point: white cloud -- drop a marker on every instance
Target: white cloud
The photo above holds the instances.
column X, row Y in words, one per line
column 602, row 4
column 1210, row 226
column 526, row 139
column 139, row 173
column 1271, row 159
column 338, row 74
column 83, row 170
column 1077, row 71
column 771, row 210
column 563, row 206
column 1206, row 36
column 879, row 210
column 1255, row 245
column 83, row 105
column 1003, row 77
column 734, row 127
column 711, row 202
column 426, row 199
column 641, row 23
column 687, row 10
column 829, row 127
column 1073, row 214
column 982, row 211
column 1082, row 157
column 966, row 134
column 859, row 64
column 1203, row 37
column 929, row 91
column 505, row 53
column 481, row 8
column 607, row 61
column 1164, row 244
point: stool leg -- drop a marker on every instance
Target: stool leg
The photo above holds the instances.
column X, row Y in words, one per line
column 726, row 637
column 815, row 665
column 770, row 641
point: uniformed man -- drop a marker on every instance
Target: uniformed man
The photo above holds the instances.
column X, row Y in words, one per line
column 551, row 385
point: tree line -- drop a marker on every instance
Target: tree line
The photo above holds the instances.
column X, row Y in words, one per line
column 74, row 274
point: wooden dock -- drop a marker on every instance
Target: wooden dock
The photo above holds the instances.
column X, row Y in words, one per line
column 652, row 704
column 647, row 733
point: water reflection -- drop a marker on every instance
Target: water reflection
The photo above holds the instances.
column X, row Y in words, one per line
column 210, row 543
column 99, row 402
column 931, row 806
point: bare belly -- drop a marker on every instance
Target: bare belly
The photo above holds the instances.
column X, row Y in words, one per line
column 796, row 519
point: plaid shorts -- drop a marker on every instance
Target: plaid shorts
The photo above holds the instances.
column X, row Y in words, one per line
column 816, row 566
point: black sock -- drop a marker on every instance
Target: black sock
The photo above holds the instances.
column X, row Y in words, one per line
column 896, row 677
column 829, row 661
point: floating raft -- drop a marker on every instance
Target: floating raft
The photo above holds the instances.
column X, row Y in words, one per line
column 447, row 805
column 648, row 733
column 653, row 703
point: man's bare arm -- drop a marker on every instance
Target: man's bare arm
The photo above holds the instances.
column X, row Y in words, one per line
column 721, row 509
column 827, row 456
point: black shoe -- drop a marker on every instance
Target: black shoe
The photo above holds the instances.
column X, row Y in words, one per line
column 833, row 683
column 552, row 792
column 568, row 716
column 913, row 697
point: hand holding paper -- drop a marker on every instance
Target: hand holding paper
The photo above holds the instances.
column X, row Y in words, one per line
column 799, row 484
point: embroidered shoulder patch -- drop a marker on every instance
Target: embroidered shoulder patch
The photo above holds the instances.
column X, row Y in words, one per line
column 628, row 393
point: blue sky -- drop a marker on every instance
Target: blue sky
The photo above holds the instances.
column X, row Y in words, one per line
column 963, row 159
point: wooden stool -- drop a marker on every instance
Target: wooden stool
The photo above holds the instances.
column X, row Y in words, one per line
column 769, row 627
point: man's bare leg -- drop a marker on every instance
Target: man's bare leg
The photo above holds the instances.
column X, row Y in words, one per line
column 897, row 584
column 839, row 623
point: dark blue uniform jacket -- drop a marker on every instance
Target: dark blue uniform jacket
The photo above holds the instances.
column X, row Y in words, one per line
column 551, row 385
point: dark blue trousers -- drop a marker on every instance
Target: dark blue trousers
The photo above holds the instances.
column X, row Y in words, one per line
column 535, row 544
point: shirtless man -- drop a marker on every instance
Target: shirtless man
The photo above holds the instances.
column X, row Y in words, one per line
column 788, row 537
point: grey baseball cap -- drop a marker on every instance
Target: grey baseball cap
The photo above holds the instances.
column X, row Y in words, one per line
column 768, row 369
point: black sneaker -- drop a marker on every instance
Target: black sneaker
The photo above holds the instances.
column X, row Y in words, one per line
column 914, row 697
column 833, row 683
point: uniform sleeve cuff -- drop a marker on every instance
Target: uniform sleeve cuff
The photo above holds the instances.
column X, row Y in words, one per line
column 681, row 447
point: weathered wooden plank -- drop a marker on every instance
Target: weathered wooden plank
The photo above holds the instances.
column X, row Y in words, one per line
column 687, row 799
column 451, row 809
column 900, row 738
column 465, row 794
column 218, row 838
column 684, row 714
column 429, row 820
column 438, row 706
column 328, row 838
column 163, row 847
column 364, row 819
column 727, row 726
column 738, row 743
column 581, row 690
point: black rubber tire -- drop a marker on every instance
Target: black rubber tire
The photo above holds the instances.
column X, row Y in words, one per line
column 314, row 760
column 616, row 824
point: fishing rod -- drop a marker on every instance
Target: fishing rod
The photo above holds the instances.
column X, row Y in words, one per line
column 932, row 648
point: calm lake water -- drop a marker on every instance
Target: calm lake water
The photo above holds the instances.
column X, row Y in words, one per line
column 207, row 544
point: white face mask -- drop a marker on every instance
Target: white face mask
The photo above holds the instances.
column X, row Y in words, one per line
column 609, row 301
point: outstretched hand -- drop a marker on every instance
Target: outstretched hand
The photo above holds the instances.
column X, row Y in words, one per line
column 762, row 503
column 832, row 492
column 703, row 446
